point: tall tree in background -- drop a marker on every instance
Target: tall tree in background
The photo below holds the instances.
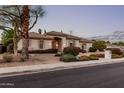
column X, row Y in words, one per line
column 99, row 45
column 24, row 30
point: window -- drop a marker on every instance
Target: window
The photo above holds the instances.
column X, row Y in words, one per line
column 41, row 43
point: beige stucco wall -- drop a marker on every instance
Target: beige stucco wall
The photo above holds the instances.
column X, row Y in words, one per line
column 81, row 44
column 68, row 42
column 34, row 44
column 63, row 43
column 76, row 43
column 87, row 46
column 47, row 44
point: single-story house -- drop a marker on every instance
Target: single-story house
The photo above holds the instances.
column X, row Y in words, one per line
column 54, row 40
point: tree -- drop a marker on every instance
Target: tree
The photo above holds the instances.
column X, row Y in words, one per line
column 10, row 17
column 7, row 37
column 115, row 43
column 120, row 43
column 100, row 45
column 24, row 30
column 8, row 14
column 108, row 42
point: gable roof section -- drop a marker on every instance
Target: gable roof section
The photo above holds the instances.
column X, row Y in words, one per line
column 34, row 35
column 54, row 33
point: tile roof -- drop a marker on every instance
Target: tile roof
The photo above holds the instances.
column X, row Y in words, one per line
column 54, row 33
column 34, row 35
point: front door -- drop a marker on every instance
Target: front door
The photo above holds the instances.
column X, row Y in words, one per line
column 56, row 44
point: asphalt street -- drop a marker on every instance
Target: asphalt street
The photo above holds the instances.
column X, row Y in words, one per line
column 103, row 76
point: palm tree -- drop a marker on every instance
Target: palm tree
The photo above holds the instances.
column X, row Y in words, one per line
column 24, row 31
column 10, row 19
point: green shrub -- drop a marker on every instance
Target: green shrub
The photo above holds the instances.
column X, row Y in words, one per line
column 7, row 57
column 98, row 55
column 92, row 49
column 58, row 54
column 87, row 58
column 68, row 58
column 93, row 57
column 84, row 58
column 116, row 56
column 72, row 50
column 100, row 45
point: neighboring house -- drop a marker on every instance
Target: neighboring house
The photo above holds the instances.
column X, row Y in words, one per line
column 54, row 40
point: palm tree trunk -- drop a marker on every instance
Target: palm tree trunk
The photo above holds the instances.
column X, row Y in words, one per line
column 15, row 37
column 24, row 31
column 15, row 44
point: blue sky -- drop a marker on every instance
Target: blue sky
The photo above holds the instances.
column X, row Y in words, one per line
column 83, row 20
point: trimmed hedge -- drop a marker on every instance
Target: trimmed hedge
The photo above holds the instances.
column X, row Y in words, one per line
column 68, row 58
column 84, row 58
column 98, row 55
column 87, row 58
column 93, row 57
column 72, row 50
column 92, row 49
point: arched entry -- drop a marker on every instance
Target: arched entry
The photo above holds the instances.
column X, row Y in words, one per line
column 57, row 43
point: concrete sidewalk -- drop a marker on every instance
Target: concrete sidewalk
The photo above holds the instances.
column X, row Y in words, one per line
column 56, row 66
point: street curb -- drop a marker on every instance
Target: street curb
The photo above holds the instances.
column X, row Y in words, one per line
column 21, row 70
